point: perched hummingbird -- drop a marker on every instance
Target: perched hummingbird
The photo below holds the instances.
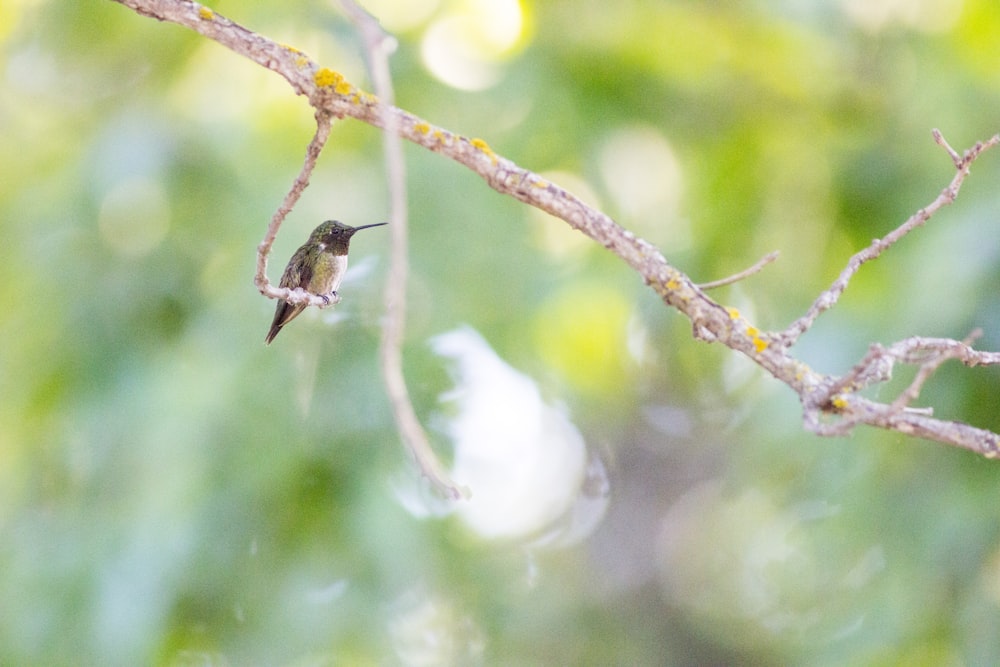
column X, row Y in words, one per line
column 317, row 267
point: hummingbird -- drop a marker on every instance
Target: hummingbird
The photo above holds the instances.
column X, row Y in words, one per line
column 317, row 267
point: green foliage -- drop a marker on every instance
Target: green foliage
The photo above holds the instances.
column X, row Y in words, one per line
column 173, row 492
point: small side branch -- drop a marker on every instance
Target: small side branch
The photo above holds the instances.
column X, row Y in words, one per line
column 324, row 123
column 745, row 273
column 929, row 353
column 877, row 366
column 831, row 296
column 915, row 423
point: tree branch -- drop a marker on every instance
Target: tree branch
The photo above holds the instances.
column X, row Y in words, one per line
column 378, row 46
column 829, row 298
column 297, row 295
column 745, row 273
column 831, row 405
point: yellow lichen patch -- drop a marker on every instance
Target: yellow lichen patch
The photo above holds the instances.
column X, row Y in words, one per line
column 205, row 14
column 343, row 87
column 673, row 284
column 485, row 148
column 839, row 402
column 481, row 145
column 301, row 60
column 759, row 343
column 753, row 332
column 327, row 77
column 441, row 137
column 734, row 314
column 540, row 183
column 422, row 127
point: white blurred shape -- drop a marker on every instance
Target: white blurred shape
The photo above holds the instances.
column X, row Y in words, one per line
column 523, row 459
column 585, row 514
column 428, row 629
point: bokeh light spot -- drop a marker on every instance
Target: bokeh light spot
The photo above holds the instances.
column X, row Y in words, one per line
column 582, row 333
column 644, row 177
column 523, row 459
column 465, row 49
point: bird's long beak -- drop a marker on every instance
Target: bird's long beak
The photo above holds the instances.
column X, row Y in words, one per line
column 377, row 224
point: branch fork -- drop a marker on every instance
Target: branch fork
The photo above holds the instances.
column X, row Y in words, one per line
column 831, row 405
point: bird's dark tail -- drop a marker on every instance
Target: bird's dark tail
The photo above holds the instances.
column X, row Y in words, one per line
column 275, row 328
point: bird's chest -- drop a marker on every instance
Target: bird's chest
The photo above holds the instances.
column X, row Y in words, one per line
column 328, row 273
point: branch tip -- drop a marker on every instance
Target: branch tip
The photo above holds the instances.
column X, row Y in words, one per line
column 745, row 273
column 943, row 143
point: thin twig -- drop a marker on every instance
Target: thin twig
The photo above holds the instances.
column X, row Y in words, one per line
column 940, row 141
column 924, row 372
column 875, row 367
column 928, row 353
column 860, row 410
column 378, row 46
column 942, row 351
column 745, row 273
column 829, row 297
column 324, row 123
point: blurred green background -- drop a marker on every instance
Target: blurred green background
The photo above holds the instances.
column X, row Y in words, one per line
column 174, row 492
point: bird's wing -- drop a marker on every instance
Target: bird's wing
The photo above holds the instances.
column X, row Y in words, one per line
column 297, row 274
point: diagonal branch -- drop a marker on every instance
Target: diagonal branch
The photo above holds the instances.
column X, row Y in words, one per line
column 822, row 396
